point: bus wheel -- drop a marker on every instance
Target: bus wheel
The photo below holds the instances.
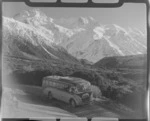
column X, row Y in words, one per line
column 50, row 95
column 73, row 103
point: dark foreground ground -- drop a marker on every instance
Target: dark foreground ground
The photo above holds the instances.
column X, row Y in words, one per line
column 33, row 98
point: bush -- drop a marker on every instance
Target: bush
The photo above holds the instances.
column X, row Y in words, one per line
column 96, row 91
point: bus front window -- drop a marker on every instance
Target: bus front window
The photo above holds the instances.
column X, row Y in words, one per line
column 72, row 89
column 79, row 88
column 83, row 87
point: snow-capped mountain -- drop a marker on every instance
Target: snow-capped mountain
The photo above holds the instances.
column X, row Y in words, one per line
column 22, row 40
column 83, row 37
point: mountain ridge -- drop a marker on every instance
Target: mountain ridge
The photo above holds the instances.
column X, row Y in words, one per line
column 78, row 35
column 26, row 42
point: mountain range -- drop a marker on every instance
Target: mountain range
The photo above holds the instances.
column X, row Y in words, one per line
column 31, row 35
column 71, row 38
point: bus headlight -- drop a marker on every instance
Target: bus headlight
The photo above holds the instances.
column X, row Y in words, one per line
column 86, row 95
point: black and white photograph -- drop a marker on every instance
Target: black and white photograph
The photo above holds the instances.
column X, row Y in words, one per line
column 73, row 62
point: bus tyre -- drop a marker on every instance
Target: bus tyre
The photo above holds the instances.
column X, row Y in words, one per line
column 73, row 103
column 50, row 95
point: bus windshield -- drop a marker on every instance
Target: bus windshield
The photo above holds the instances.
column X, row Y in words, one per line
column 83, row 87
column 80, row 88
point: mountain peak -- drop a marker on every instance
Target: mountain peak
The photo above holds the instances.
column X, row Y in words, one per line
column 86, row 20
column 83, row 20
column 37, row 13
column 30, row 13
column 91, row 18
column 34, row 16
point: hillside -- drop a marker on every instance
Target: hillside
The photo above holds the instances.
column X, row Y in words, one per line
column 26, row 51
column 130, row 62
column 26, row 41
column 134, row 73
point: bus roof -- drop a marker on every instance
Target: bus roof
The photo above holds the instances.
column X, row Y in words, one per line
column 71, row 80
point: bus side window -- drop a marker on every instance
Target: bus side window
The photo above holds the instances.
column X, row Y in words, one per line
column 43, row 84
column 53, row 84
column 63, row 86
column 58, row 85
column 66, row 88
column 50, row 83
column 47, row 82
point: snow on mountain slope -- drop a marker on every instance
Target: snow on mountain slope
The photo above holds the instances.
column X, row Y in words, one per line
column 34, row 17
column 99, row 32
column 72, row 23
column 128, row 44
column 79, row 36
column 137, row 35
column 98, row 49
column 38, row 19
column 66, row 31
column 22, row 40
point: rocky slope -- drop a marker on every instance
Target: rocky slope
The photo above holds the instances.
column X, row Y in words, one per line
column 22, row 42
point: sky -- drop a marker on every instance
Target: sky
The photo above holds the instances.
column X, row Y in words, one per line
column 131, row 15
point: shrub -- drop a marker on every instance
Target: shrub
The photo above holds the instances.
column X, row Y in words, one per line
column 96, row 91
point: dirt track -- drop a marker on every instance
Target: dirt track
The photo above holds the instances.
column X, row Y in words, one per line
column 33, row 95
